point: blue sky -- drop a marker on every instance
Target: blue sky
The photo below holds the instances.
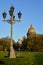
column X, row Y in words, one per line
column 32, row 13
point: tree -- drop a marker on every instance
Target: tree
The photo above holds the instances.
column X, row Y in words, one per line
column 24, row 43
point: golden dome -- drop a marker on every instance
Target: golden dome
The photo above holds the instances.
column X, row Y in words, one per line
column 31, row 30
column 19, row 41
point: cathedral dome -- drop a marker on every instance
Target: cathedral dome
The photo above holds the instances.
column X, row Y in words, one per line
column 31, row 30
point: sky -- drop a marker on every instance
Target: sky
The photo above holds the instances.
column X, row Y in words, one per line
column 32, row 13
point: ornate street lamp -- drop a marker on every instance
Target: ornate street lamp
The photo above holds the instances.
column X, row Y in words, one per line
column 4, row 15
column 19, row 15
column 11, row 21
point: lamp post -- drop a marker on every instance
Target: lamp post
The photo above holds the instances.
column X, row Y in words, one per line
column 11, row 21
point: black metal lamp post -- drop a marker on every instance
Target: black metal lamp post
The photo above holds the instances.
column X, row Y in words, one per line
column 11, row 21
